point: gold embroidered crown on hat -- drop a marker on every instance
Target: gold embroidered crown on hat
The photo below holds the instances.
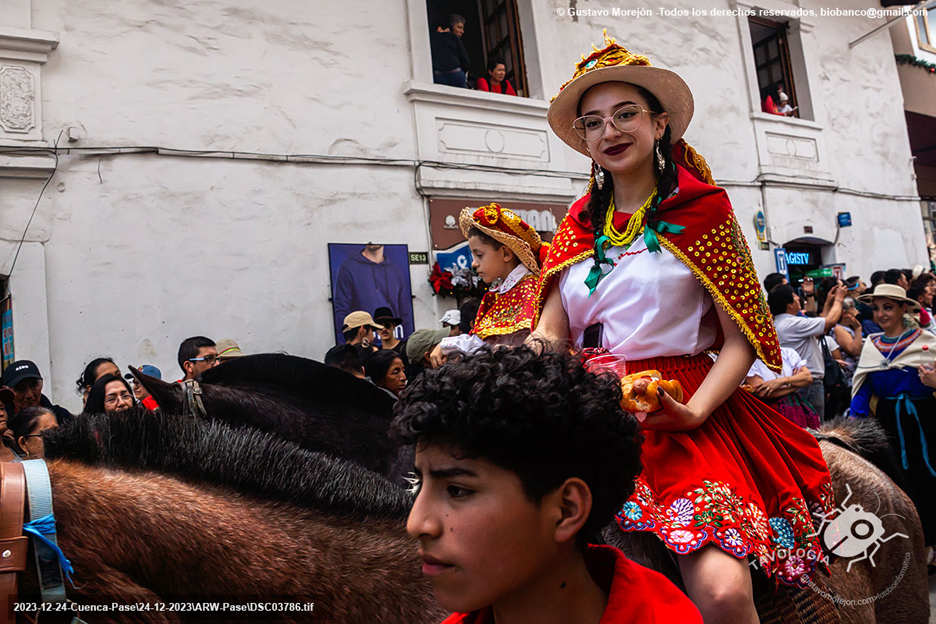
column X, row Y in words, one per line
column 504, row 225
column 609, row 56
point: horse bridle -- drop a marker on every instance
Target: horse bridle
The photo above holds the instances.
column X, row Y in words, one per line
column 23, row 483
column 192, row 399
column 13, row 544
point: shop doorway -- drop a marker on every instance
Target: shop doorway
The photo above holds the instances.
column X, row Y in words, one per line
column 802, row 258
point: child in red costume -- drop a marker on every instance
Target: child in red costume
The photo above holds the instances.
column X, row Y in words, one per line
column 506, row 253
column 521, row 459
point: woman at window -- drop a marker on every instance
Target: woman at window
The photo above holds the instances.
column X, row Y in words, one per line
column 770, row 100
column 651, row 264
column 496, row 81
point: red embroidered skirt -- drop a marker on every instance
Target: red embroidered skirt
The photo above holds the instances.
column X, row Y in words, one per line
column 747, row 481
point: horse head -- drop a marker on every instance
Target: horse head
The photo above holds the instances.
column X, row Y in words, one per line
column 318, row 407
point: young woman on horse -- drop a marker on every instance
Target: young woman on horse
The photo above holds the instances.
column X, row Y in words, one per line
column 653, row 263
column 888, row 385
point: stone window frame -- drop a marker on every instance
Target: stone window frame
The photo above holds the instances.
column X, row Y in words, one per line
column 930, row 30
column 801, row 58
column 421, row 60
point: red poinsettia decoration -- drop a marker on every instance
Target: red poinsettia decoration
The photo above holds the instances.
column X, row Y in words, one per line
column 441, row 281
column 463, row 282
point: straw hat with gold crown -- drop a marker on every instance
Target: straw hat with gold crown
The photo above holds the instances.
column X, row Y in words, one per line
column 614, row 63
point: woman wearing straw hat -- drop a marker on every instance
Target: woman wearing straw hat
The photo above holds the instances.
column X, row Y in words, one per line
column 888, row 385
column 654, row 258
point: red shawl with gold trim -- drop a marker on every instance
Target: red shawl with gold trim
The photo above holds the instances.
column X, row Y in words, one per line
column 711, row 245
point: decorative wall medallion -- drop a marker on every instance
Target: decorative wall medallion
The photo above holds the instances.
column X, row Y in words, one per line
column 17, row 99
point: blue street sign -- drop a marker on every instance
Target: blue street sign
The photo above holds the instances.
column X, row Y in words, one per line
column 844, row 219
column 760, row 225
column 780, row 255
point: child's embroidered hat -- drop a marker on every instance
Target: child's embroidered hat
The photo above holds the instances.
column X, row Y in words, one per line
column 506, row 227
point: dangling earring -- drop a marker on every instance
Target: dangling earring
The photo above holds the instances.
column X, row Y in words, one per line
column 661, row 163
column 599, row 176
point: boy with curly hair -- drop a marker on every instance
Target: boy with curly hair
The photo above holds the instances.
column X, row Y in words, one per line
column 521, row 459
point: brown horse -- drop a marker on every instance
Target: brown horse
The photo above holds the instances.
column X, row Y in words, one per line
column 894, row 588
column 159, row 509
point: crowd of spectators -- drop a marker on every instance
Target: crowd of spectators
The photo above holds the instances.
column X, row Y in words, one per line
column 25, row 411
column 373, row 350
column 822, row 328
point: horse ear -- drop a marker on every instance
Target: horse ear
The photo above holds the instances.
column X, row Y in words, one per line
column 167, row 395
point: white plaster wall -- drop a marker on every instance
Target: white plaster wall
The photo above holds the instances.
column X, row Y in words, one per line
column 178, row 247
column 146, row 250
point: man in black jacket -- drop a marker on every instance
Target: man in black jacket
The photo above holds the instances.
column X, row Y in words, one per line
column 24, row 379
column 449, row 58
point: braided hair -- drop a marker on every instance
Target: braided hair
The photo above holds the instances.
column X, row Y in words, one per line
column 601, row 198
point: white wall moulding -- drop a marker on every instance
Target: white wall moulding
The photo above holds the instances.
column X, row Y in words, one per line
column 27, row 44
column 457, row 137
column 23, row 51
column 791, row 148
column 494, row 132
column 25, row 165
column 17, row 99
column 786, row 146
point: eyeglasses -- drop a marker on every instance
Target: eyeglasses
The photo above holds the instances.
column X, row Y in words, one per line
column 626, row 119
column 208, row 359
column 386, row 324
column 113, row 398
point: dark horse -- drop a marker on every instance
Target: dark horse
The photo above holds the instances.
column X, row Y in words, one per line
column 318, row 407
column 154, row 509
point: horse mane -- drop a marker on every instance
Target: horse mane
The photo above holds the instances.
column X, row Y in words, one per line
column 866, row 438
column 301, row 377
column 213, row 453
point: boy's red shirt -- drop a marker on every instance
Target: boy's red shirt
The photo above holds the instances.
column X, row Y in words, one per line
column 635, row 593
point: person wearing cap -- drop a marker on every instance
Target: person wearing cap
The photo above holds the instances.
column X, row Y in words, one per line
column 890, row 370
column 452, row 320
column 140, row 392
column 24, row 379
column 651, row 264
column 358, row 331
column 389, row 323
column 506, row 253
column 228, row 349
column 419, row 346
column 785, row 108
